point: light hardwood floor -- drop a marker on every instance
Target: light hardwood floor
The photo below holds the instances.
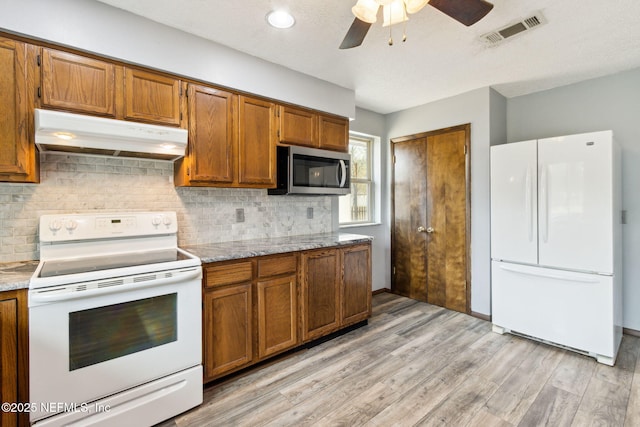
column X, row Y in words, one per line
column 418, row 364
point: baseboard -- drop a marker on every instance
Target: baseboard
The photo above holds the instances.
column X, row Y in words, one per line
column 481, row 316
column 631, row 332
column 380, row 291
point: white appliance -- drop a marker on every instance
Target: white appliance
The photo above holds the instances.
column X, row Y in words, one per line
column 556, row 242
column 114, row 321
column 75, row 133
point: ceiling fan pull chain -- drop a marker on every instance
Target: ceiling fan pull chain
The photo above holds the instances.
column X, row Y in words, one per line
column 404, row 31
column 390, row 26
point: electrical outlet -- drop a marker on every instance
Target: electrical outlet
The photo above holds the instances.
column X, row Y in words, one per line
column 309, row 213
column 240, row 215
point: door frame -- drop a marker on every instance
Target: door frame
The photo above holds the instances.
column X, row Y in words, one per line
column 467, row 129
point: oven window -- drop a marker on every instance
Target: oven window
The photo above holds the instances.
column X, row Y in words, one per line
column 104, row 333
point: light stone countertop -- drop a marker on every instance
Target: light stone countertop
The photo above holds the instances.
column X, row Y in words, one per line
column 238, row 249
column 16, row 275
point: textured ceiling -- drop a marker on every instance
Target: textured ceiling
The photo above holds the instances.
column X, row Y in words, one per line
column 441, row 57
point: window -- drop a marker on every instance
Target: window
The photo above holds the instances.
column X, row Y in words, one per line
column 358, row 207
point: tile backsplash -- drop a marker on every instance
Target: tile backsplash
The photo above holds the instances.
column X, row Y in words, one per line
column 76, row 184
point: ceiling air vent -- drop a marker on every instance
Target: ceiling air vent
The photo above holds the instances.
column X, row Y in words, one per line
column 498, row 36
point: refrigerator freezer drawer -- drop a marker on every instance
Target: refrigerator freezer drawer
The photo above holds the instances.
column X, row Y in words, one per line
column 571, row 309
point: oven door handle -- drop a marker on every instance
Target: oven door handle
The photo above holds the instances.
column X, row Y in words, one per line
column 67, row 293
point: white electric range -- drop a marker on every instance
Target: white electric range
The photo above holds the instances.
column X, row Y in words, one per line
column 114, row 321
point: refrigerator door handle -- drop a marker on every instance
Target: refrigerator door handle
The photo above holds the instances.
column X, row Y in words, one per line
column 544, row 208
column 548, row 275
column 528, row 204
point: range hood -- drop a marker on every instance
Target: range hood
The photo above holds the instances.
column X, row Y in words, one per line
column 75, row 133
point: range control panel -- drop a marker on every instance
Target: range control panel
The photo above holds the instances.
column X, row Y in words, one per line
column 72, row 227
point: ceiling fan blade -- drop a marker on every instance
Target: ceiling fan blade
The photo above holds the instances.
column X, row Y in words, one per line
column 356, row 34
column 467, row 12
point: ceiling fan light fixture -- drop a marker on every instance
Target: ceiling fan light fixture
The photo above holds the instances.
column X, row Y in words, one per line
column 414, row 6
column 280, row 19
column 394, row 13
column 366, row 10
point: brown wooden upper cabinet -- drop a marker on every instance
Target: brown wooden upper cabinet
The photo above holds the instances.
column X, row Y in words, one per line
column 151, row 97
column 77, row 83
column 232, row 141
column 299, row 126
column 18, row 155
column 333, row 133
column 213, row 118
column 256, row 142
column 86, row 85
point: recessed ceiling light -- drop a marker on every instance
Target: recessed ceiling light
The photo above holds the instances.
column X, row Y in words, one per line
column 280, row 19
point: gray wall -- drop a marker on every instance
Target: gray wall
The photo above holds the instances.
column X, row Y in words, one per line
column 96, row 27
column 473, row 107
column 374, row 124
column 611, row 102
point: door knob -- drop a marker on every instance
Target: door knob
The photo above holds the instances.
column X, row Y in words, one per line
column 430, row 230
column 421, row 229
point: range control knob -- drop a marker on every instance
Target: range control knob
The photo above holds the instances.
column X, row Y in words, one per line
column 55, row 225
column 156, row 220
column 71, row 224
column 166, row 220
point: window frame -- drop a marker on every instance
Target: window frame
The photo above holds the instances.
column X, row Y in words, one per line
column 370, row 181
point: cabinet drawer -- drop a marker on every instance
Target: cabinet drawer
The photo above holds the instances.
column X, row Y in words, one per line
column 226, row 274
column 277, row 265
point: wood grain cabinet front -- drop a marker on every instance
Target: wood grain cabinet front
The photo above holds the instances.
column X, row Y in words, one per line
column 277, row 314
column 256, row 142
column 297, row 126
column 18, row 154
column 227, row 329
column 355, row 284
column 300, row 126
column 320, row 293
column 82, row 84
column 14, row 335
column 77, row 83
column 152, row 98
column 333, row 133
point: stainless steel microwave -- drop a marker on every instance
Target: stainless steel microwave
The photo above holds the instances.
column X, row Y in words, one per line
column 302, row 170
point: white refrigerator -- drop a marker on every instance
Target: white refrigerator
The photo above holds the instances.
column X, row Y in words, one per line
column 556, row 242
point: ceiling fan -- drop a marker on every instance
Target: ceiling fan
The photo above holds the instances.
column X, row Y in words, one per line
column 467, row 12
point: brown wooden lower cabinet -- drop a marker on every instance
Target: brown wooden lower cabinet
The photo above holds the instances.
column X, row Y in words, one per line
column 320, row 293
column 356, row 284
column 14, row 357
column 227, row 322
column 254, row 308
column 277, row 312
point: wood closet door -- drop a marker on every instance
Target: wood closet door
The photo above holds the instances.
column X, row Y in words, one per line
column 430, row 231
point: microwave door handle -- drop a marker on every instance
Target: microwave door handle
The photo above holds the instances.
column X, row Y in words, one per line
column 343, row 169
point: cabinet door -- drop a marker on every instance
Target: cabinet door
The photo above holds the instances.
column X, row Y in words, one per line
column 18, row 155
column 276, row 315
column 151, row 97
column 13, row 354
column 333, row 133
column 298, row 126
column 356, row 284
column 212, row 135
column 256, row 142
column 227, row 329
column 320, row 293
column 514, row 223
column 77, row 83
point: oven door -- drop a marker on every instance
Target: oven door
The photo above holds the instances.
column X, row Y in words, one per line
column 91, row 340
